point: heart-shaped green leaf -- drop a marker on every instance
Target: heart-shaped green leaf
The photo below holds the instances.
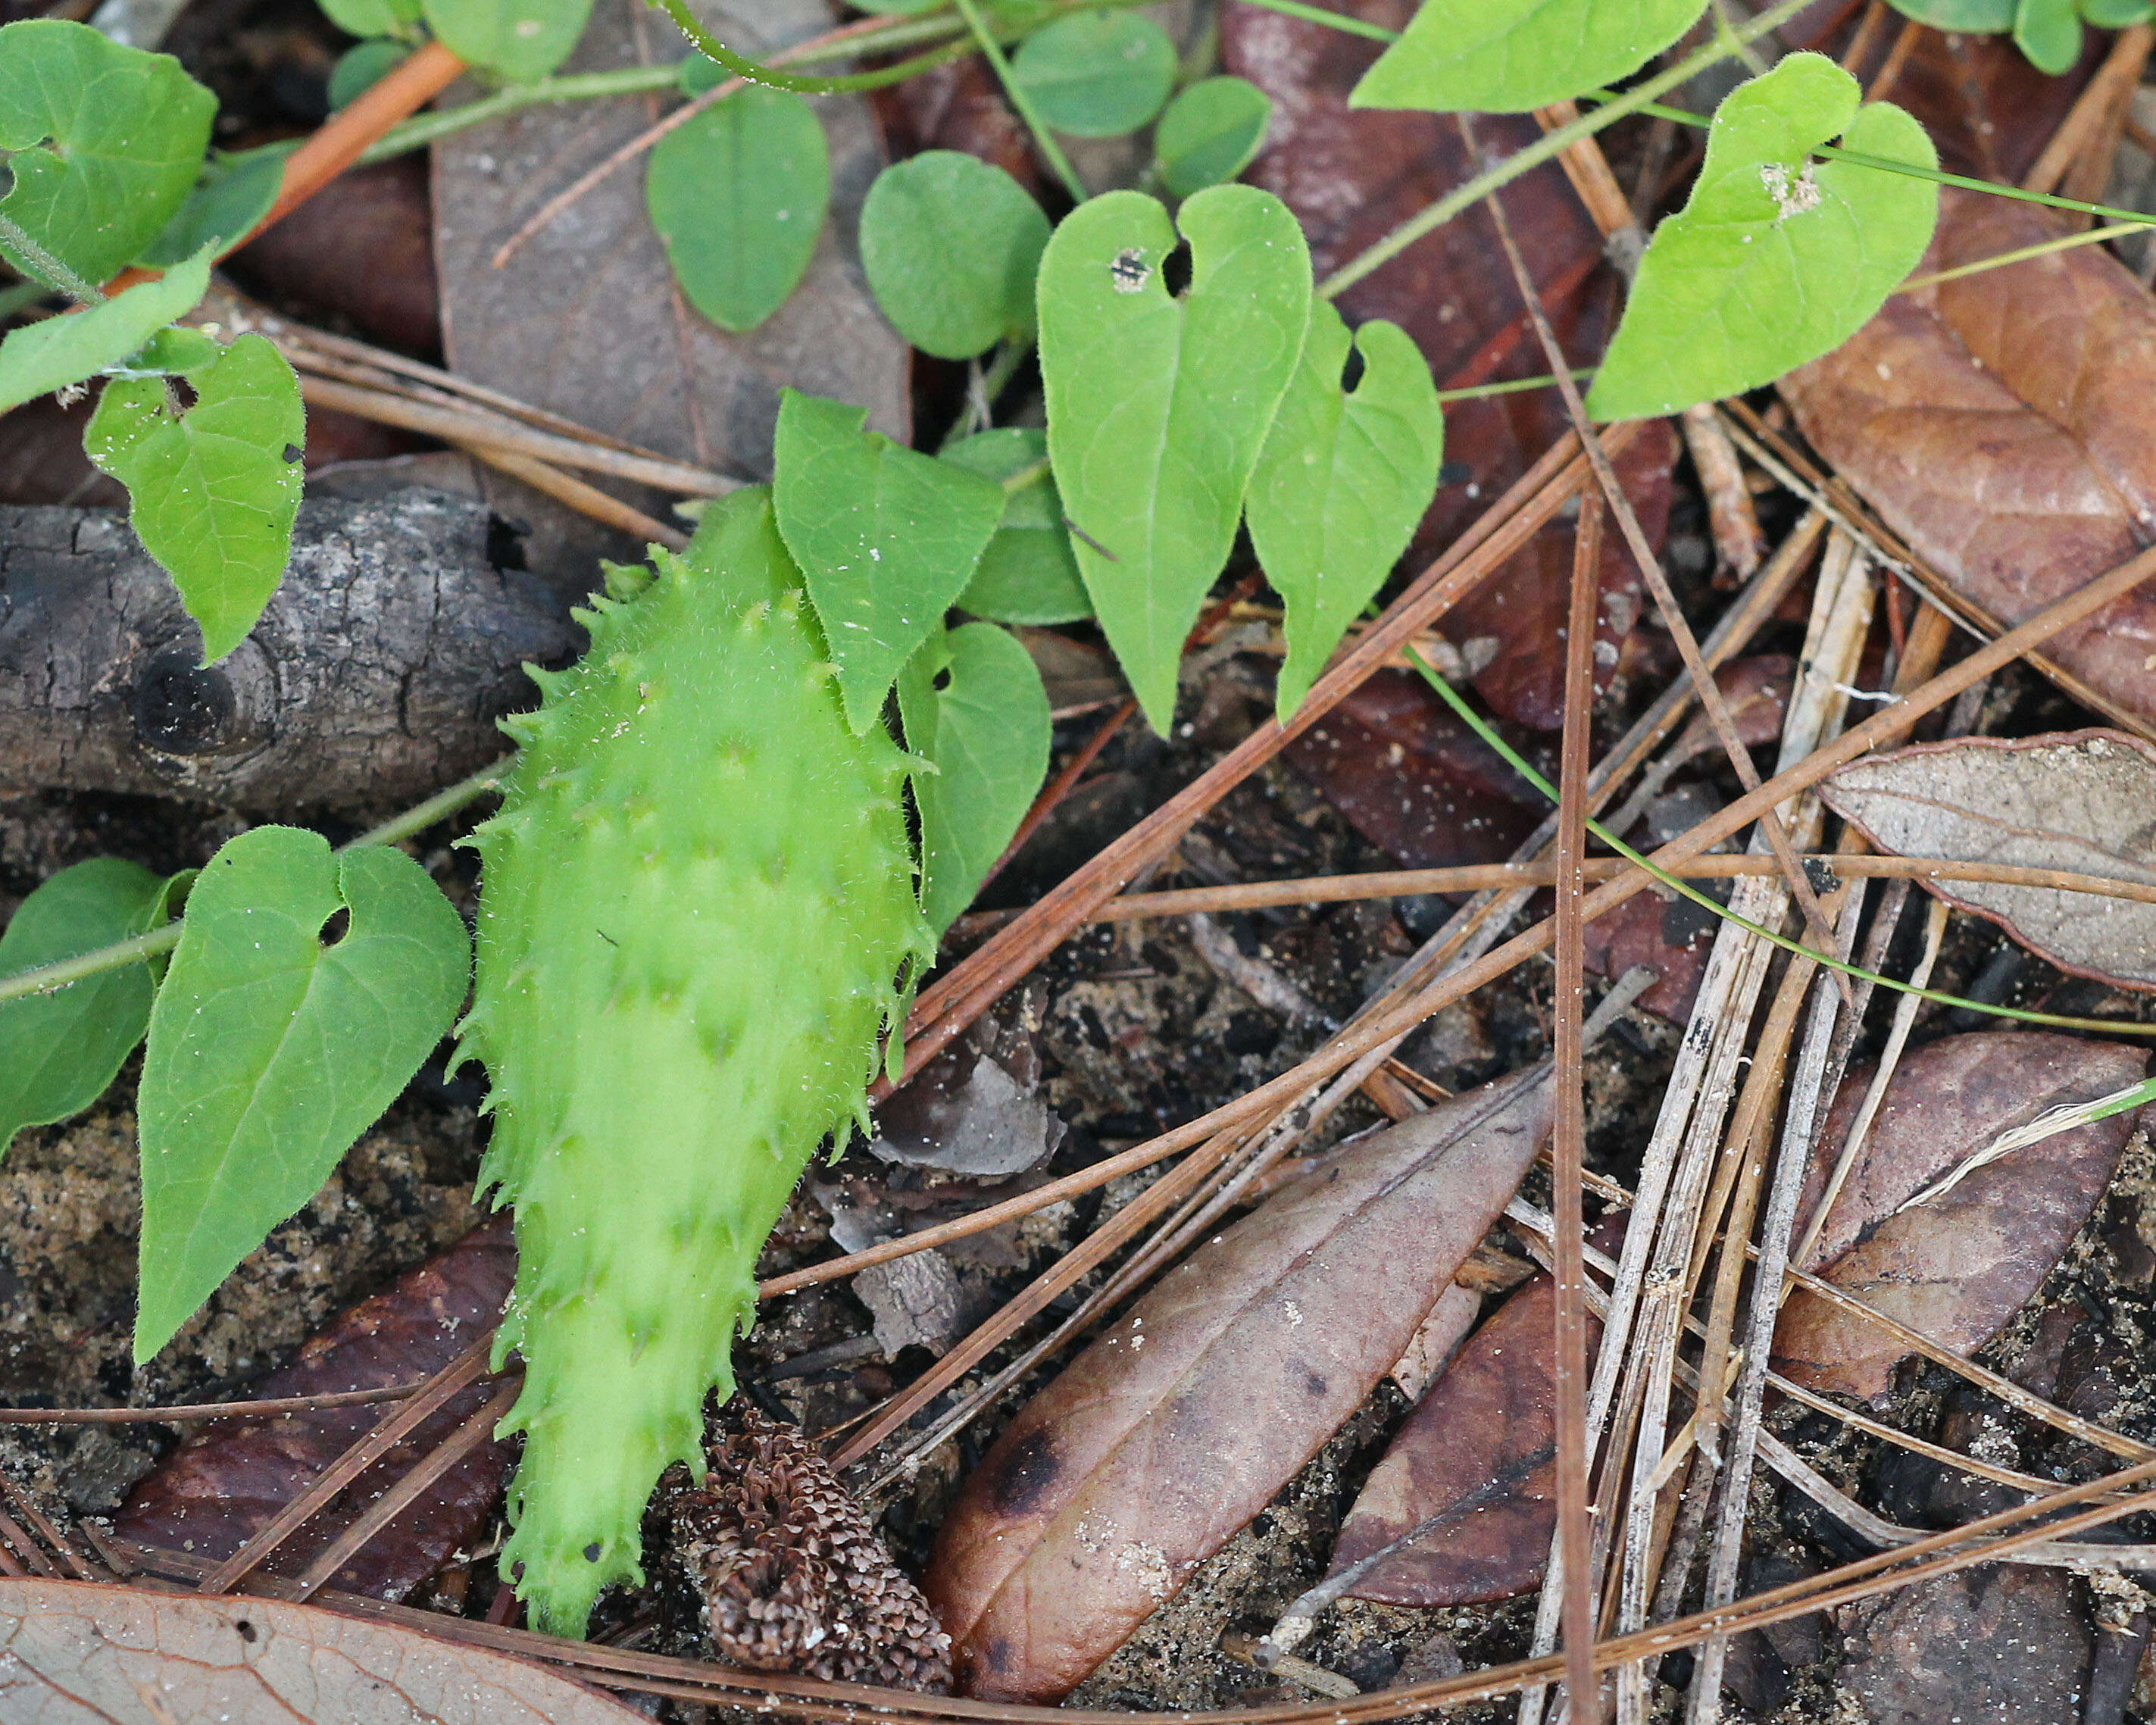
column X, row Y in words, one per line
column 1159, row 404
column 59, row 1051
column 1209, row 133
column 269, row 1052
column 949, row 245
column 107, row 141
column 518, row 41
column 1342, row 484
column 213, row 491
column 1776, row 258
column 1097, row 74
column 738, row 195
column 2049, row 34
column 234, row 192
column 40, row 357
column 886, row 537
column 1981, row 17
column 373, row 17
column 1029, row 573
column 1509, row 56
column 974, row 707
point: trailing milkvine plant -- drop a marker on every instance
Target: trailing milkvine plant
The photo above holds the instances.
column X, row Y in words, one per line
column 735, row 831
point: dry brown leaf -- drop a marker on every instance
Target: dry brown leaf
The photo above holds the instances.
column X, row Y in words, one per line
column 2081, row 800
column 585, row 319
column 2005, row 424
column 76, row 1653
column 1478, row 1459
column 1169, row 1434
column 229, row 1481
column 1955, row 1266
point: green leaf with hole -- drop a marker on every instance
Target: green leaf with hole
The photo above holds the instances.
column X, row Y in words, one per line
column 974, row 705
column 1343, row 480
column 59, row 1051
column 373, row 17
column 1158, row 403
column 271, row 1052
column 518, row 41
column 1776, row 260
column 950, row 244
column 1509, row 56
column 234, row 192
column 41, row 357
column 1097, row 74
column 1029, row 573
column 213, row 491
column 107, row 141
column 886, row 537
column 738, row 195
column 2049, row 34
column 1209, row 133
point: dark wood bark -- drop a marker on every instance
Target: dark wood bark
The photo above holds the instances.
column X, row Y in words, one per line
column 375, row 676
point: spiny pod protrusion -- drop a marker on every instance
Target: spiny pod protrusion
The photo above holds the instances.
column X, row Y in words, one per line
column 697, row 913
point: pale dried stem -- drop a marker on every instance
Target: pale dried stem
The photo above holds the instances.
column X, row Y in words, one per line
column 1732, row 522
column 1874, row 1093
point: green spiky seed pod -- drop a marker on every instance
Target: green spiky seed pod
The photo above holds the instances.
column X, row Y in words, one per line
column 697, row 900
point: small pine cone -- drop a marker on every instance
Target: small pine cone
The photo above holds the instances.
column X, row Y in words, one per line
column 792, row 1575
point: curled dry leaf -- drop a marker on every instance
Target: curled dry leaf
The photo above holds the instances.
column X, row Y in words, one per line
column 1169, row 1434
column 2082, row 800
column 226, row 1482
column 1955, row 1266
column 1473, row 1465
column 1352, row 175
column 76, row 1653
column 2005, row 424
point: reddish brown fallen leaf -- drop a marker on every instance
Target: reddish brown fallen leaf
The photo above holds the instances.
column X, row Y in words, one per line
column 1352, row 175
column 1955, row 1266
column 1413, row 780
column 2006, row 1643
column 1168, row 1434
column 77, row 1653
column 359, row 253
column 2005, row 425
column 1479, row 1451
column 2082, row 800
column 226, row 1482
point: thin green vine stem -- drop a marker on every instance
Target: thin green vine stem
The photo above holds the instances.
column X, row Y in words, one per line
column 1545, row 148
column 1044, row 140
column 48, row 978
column 1331, row 20
column 1519, row 763
column 1514, row 386
column 2093, row 236
column 757, row 72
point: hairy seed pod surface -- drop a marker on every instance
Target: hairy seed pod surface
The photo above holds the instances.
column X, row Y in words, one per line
column 696, row 906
